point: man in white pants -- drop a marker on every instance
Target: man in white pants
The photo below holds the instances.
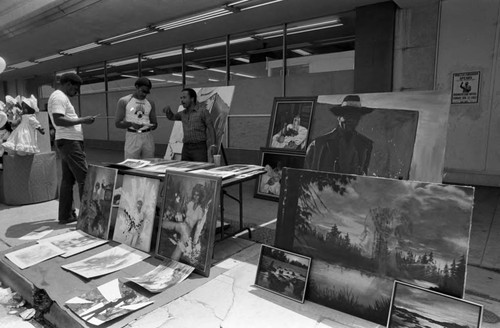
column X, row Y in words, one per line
column 137, row 114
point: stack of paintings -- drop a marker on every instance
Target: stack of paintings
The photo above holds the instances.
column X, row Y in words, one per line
column 286, row 143
column 365, row 232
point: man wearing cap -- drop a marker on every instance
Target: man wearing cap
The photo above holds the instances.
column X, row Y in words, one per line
column 343, row 150
column 137, row 114
column 197, row 126
column 69, row 143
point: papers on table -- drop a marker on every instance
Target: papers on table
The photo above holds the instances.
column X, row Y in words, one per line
column 31, row 255
column 74, row 242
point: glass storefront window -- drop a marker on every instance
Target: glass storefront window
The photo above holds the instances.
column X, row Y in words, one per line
column 122, row 73
column 93, row 78
column 206, row 63
column 163, row 68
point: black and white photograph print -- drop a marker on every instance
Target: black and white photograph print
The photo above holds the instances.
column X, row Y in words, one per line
column 187, row 223
column 97, row 201
column 268, row 185
column 290, row 123
column 365, row 232
column 283, row 272
column 414, row 307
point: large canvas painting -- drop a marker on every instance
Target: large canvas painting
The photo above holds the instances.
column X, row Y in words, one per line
column 97, row 200
column 136, row 212
column 217, row 100
column 290, row 123
column 413, row 306
column 365, row 232
column 400, row 135
column 187, row 225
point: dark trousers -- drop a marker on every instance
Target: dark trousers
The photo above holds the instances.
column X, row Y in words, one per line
column 195, row 152
column 74, row 169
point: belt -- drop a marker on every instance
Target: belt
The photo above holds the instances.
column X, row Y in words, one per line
column 138, row 131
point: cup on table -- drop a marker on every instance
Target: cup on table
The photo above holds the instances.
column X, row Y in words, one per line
column 217, row 160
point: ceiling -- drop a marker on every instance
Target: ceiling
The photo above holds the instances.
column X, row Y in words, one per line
column 31, row 29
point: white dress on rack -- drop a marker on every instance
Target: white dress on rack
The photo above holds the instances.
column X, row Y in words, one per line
column 23, row 140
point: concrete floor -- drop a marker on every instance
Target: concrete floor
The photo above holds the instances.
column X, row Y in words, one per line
column 483, row 273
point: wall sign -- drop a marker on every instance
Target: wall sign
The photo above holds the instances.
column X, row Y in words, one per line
column 465, row 88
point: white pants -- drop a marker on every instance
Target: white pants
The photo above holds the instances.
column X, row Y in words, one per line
column 139, row 145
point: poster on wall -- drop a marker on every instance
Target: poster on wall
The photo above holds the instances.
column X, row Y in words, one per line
column 217, row 101
column 365, row 232
column 400, row 135
column 465, row 88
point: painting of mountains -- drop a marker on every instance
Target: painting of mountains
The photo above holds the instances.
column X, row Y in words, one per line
column 365, row 232
column 414, row 307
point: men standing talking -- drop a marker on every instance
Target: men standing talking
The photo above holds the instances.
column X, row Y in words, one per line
column 69, row 143
column 197, row 126
column 137, row 114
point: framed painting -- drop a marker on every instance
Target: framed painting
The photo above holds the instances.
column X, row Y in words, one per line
column 97, row 200
column 136, row 212
column 290, row 123
column 365, row 232
column 268, row 185
column 414, row 306
column 283, row 273
column 187, row 224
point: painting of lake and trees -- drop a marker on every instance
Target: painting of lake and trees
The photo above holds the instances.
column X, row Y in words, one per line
column 364, row 232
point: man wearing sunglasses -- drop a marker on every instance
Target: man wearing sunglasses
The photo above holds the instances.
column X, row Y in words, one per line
column 137, row 115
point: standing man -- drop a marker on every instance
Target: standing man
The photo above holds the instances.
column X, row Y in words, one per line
column 69, row 143
column 342, row 150
column 198, row 128
column 137, row 114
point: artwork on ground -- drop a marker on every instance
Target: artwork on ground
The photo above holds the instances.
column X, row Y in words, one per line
column 97, row 200
column 217, row 101
column 136, row 212
column 164, row 276
column 283, row 272
column 74, row 242
column 268, row 185
column 400, row 135
column 365, row 232
column 107, row 302
column 31, row 255
column 187, row 224
column 111, row 260
column 413, row 306
column 290, row 123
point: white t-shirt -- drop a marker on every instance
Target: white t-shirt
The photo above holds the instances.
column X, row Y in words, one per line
column 59, row 103
column 137, row 111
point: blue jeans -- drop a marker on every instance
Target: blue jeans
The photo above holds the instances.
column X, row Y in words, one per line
column 74, row 169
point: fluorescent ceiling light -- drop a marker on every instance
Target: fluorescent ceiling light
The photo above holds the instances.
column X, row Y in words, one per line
column 242, row 59
column 197, row 66
column 123, row 62
column 132, row 38
column 194, row 19
column 43, row 59
column 23, row 64
column 129, row 76
column 301, row 52
column 301, row 29
column 164, row 54
column 80, row 48
column 124, row 35
column 157, row 80
column 176, row 82
column 223, row 43
column 64, row 72
column 234, row 73
column 179, row 74
column 213, row 80
column 260, row 5
column 244, row 75
column 216, row 70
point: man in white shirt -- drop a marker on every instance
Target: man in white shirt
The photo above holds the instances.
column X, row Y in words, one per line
column 137, row 114
column 69, row 143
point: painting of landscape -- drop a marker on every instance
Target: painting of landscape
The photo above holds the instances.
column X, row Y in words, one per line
column 414, row 307
column 283, row 273
column 365, row 232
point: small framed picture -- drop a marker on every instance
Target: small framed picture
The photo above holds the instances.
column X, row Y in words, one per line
column 413, row 306
column 268, row 185
column 283, row 272
column 290, row 124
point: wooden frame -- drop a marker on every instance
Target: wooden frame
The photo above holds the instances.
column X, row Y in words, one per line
column 273, row 162
column 187, row 222
column 413, row 306
column 290, row 123
column 279, row 269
